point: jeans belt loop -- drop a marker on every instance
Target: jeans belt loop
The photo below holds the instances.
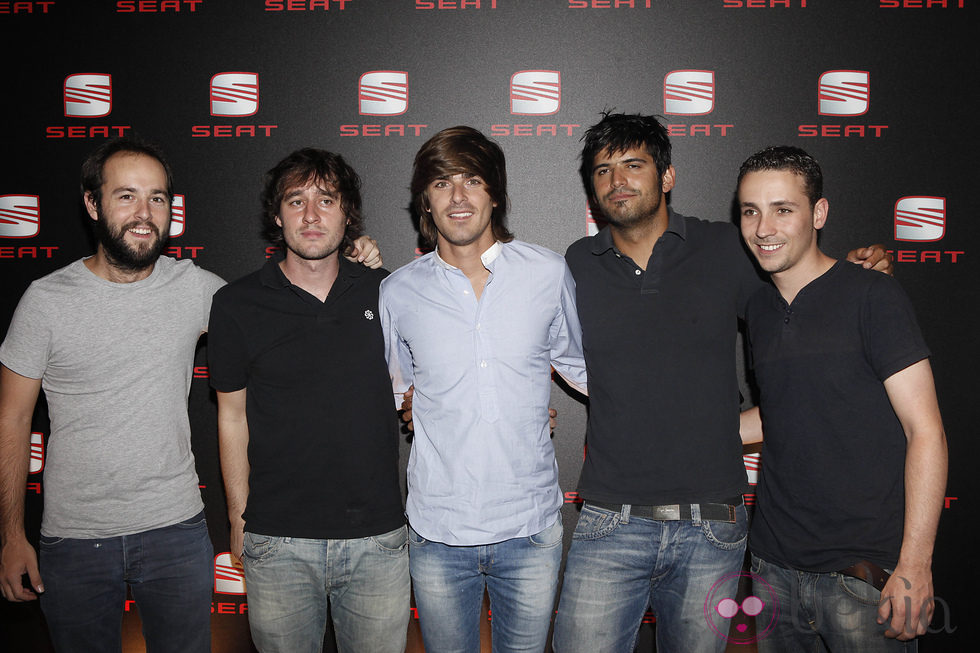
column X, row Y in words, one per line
column 624, row 515
column 696, row 513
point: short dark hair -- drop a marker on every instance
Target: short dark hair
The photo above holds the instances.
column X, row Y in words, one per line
column 322, row 168
column 618, row 132
column 787, row 157
column 93, row 168
column 460, row 150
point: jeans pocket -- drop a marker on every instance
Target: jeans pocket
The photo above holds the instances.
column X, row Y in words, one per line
column 393, row 542
column 50, row 542
column 549, row 537
column 414, row 539
column 260, row 547
column 192, row 522
column 727, row 535
column 595, row 523
column 858, row 590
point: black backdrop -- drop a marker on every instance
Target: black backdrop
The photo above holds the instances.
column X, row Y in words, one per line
column 229, row 87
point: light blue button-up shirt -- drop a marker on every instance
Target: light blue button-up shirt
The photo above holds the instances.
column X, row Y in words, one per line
column 482, row 467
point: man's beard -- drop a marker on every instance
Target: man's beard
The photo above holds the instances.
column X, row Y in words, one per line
column 119, row 253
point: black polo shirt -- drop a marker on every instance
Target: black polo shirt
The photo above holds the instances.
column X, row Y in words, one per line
column 323, row 430
column 660, row 354
column 831, row 487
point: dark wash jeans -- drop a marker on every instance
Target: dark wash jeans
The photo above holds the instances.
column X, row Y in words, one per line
column 169, row 571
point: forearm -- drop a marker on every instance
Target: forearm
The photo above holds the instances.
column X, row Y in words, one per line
column 15, row 440
column 925, row 487
column 233, row 450
column 750, row 426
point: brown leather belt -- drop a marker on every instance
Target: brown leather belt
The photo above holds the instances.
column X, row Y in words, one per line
column 677, row 511
column 869, row 572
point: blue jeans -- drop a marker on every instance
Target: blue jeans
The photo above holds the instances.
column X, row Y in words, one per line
column 170, row 572
column 520, row 575
column 291, row 580
column 618, row 565
column 813, row 612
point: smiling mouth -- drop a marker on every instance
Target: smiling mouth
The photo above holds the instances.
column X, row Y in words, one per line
column 460, row 215
column 141, row 231
column 769, row 248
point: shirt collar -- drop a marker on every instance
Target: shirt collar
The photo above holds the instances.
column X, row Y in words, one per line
column 272, row 275
column 603, row 241
column 486, row 257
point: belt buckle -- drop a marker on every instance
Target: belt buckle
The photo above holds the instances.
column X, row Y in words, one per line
column 667, row 513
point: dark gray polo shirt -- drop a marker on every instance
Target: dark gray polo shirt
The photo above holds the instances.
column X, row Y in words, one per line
column 660, row 353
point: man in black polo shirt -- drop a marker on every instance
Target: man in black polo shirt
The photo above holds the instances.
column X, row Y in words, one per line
column 308, row 431
column 854, row 464
column 659, row 296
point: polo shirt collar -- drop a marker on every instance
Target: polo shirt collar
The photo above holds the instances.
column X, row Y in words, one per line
column 603, row 241
column 272, row 275
column 486, row 257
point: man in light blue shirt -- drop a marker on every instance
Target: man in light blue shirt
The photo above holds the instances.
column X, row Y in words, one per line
column 476, row 326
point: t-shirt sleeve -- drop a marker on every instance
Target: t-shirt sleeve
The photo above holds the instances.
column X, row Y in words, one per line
column 227, row 350
column 891, row 335
column 27, row 347
column 743, row 270
column 209, row 284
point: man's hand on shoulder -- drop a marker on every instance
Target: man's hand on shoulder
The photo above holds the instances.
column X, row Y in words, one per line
column 907, row 602
column 17, row 557
column 872, row 257
column 365, row 250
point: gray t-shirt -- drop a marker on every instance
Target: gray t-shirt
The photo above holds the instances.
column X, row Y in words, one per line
column 115, row 362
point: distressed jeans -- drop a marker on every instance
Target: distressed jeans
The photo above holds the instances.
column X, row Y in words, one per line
column 291, row 580
column 520, row 575
column 619, row 565
column 813, row 612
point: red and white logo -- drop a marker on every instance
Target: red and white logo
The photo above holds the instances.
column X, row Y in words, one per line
column 88, row 95
column 234, row 94
column 689, row 92
column 751, row 462
column 37, row 453
column 383, row 93
column 228, row 578
column 535, row 92
column 177, row 216
column 592, row 225
column 920, row 218
column 20, row 216
column 844, row 93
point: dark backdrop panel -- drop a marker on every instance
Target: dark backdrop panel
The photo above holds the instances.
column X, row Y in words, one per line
column 908, row 137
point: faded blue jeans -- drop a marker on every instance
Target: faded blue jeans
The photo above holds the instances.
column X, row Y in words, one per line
column 815, row 612
column 520, row 575
column 619, row 565
column 169, row 570
column 291, row 580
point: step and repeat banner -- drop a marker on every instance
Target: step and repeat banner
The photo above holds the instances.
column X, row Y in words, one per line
column 882, row 92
